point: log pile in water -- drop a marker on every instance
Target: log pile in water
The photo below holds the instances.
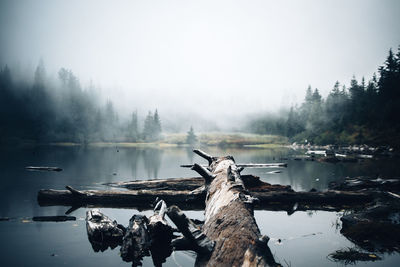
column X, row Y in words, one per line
column 193, row 195
column 229, row 236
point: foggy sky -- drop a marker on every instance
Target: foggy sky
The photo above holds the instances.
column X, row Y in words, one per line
column 216, row 57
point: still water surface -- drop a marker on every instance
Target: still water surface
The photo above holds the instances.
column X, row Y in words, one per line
column 307, row 238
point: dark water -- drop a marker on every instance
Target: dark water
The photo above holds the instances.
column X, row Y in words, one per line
column 307, row 237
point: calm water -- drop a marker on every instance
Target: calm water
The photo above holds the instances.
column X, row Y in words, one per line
column 307, row 237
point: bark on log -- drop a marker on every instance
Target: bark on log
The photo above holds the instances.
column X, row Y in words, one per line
column 179, row 184
column 102, row 231
column 271, row 197
column 249, row 165
column 229, row 220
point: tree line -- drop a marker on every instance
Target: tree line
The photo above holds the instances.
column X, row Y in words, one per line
column 64, row 111
column 364, row 112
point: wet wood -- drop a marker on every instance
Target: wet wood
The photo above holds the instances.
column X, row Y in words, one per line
column 41, row 168
column 359, row 183
column 229, row 220
column 194, row 239
column 374, row 228
column 161, row 234
column 60, row 218
column 249, row 165
column 270, row 197
column 136, row 241
column 102, row 231
column 178, row 184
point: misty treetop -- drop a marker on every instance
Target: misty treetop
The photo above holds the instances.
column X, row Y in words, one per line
column 63, row 111
column 365, row 112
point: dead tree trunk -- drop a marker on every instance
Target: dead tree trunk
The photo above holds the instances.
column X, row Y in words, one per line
column 229, row 217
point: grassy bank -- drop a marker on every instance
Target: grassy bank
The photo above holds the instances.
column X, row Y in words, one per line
column 204, row 139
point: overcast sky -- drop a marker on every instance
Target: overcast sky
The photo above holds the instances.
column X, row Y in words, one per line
column 218, row 56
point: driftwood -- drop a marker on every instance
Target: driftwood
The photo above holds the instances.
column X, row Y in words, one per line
column 229, row 218
column 358, row 183
column 161, row 234
column 192, row 183
column 249, row 165
column 270, row 197
column 193, row 238
column 376, row 228
column 41, row 168
column 60, row 218
column 102, row 231
column 136, row 241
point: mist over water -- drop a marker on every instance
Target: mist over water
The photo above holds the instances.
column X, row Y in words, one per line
column 206, row 63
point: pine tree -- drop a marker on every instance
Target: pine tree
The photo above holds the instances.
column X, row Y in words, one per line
column 133, row 130
column 191, row 138
column 148, row 127
column 156, row 126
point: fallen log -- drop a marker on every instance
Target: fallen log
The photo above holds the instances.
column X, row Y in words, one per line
column 229, row 218
column 375, row 228
column 358, row 183
column 179, row 184
column 102, row 231
column 41, row 168
column 60, row 218
column 249, row 165
column 271, row 197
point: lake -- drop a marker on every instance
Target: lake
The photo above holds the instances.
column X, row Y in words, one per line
column 307, row 238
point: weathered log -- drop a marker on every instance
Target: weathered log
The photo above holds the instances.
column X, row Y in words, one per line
column 194, row 239
column 136, row 241
column 41, row 168
column 179, row 183
column 161, row 234
column 358, row 183
column 60, row 218
column 109, row 198
column 271, row 197
column 102, row 231
column 249, row 165
column 376, row 228
column 229, row 220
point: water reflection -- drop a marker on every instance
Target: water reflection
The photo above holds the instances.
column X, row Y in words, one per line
column 152, row 159
column 89, row 168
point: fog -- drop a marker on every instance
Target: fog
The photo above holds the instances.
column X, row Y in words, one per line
column 210, row 61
